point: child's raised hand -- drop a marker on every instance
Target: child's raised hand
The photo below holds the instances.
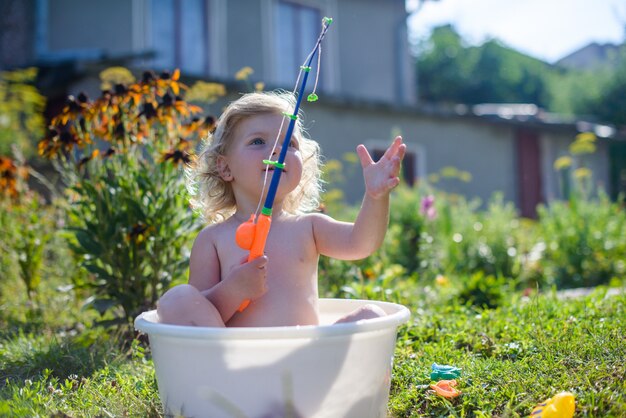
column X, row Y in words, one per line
column 382, row 176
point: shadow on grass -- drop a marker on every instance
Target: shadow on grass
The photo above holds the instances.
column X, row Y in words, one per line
column 27, row 356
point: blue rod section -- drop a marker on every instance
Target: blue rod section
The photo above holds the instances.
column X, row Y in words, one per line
column 271, row 192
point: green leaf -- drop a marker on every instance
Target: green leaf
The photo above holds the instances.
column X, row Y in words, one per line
column 97, row 270
column 86, row 241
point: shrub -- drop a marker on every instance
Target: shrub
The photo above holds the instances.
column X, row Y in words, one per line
column 468, row 240
column 26, row 226
column 406, row 226
column 584, row 242
column 122, row 156
column 483, row 291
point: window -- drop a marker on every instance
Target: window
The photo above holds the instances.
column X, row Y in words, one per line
column 296, row 30
column 178, row 35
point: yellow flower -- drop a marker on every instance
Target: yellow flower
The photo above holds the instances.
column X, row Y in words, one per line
column 202, row 91
column 586, row 137
column 449, row 172
column 244, row 73
column 562, row 162
column 465, row 176
column 433, row 178
column 584, row 146
column 442, row 280
column 582, row 172
column 115, row 75
column 259, row 86
column 351, row 157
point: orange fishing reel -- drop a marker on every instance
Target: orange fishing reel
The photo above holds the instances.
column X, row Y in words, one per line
column 252, row 236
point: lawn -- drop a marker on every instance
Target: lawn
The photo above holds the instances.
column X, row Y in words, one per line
column 56, row 362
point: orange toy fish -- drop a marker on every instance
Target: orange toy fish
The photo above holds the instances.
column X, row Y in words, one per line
column 446, row 388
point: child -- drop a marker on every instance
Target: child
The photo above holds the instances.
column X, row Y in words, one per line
column 229, row 178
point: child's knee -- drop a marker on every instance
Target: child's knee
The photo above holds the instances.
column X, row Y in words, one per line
column 176, row 301
column 369, row 311
column 177, row 293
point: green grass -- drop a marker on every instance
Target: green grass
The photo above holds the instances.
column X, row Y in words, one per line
column 515, row 356
column 53, row 362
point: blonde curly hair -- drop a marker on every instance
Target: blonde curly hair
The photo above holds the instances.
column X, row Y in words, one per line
column 213, row 197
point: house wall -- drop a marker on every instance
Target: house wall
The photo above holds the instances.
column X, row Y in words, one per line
column 373, row 54
column 485, row 151
column 95, row 25
column 365, row 54
column 17, row 40
column 246, row 42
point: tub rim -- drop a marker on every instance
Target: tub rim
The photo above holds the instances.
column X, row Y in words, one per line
column 399, row 315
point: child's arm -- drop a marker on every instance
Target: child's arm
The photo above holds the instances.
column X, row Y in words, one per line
column 352, row 241
column 244, row 282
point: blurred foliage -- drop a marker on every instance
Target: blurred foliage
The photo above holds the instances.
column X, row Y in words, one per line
column 21, row 111
column 583, row 241
column 25, row 227
column 484, row 291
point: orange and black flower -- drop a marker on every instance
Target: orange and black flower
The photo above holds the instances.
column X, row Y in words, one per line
column 88, row 158
column 9, row 176
column 74, row 107
column 148, row 77
column 180, row 153
column 177, row 157
column 200, row 127
column 138, row 232
column 111, row 151
column 171, row 106
column 119, row 132
column 170, row 81
column 59, row 139
column 149, row 111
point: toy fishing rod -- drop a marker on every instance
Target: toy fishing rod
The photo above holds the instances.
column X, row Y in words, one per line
column 252, row 234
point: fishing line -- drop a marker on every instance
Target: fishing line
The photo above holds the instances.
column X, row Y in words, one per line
column 312, row 97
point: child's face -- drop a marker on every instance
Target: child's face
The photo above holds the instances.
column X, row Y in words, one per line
column 252, row 142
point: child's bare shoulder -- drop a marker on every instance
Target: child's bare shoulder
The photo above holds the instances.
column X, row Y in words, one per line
column 309, row 219
column 317, row 218
column 210, row 234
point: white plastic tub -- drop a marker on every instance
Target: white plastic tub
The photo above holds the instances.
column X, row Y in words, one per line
column 341, row 370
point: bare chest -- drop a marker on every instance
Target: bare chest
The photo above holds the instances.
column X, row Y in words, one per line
column 290, row 250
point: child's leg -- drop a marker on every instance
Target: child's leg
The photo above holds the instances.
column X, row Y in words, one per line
column 184, row 305
column 368, row 311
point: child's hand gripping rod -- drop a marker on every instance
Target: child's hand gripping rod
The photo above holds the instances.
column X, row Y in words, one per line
column 252, row 235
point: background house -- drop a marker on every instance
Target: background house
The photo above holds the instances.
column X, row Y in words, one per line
column 367, row 86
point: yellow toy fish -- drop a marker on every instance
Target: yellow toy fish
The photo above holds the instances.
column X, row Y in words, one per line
column 561, row 405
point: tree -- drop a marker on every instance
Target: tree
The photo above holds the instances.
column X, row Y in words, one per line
column 610, row 104
column 444, row 66
column 451, row 71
